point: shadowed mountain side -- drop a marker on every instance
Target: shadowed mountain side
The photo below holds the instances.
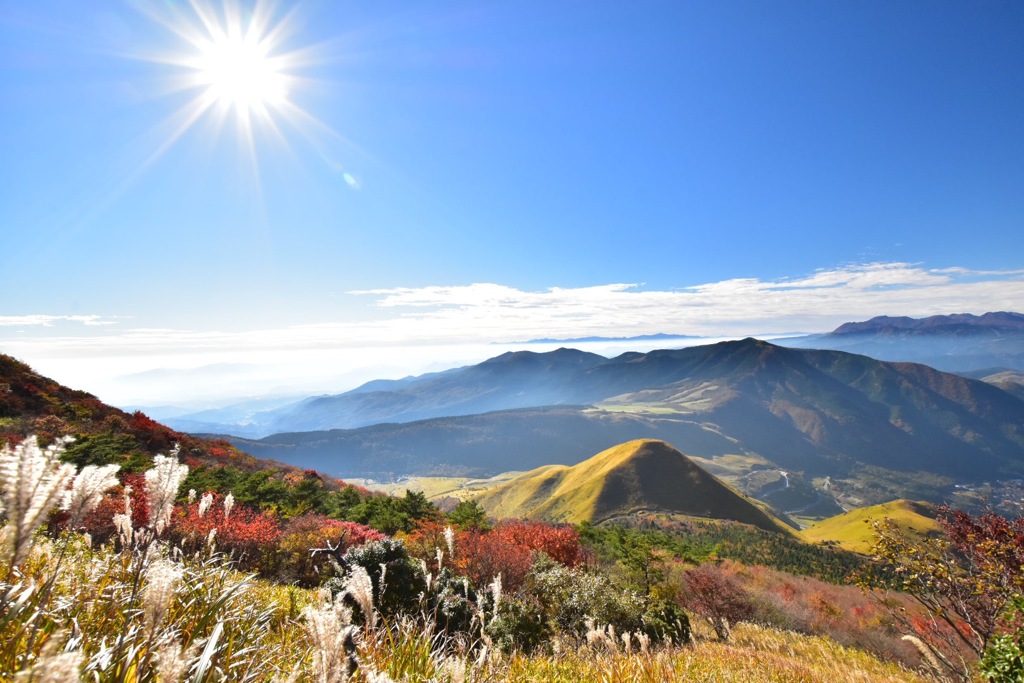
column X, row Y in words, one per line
column 824, row 410
column 842, row 387
column 639, row 476
column 481, row 445
column 521, row 379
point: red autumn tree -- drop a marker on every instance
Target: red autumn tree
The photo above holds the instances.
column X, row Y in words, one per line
column 508, row 549
column 964, row 580
column 717, row 596
column 100, row 522
column 560, row 542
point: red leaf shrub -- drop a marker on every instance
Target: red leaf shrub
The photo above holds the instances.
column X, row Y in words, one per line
column 508, row 550
column 482, row 556
column 249, row 535
column 100, row 522
column 424, row 540
column 559, row 542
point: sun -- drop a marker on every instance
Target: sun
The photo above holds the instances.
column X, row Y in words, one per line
column 235, row 63
column 238, row 72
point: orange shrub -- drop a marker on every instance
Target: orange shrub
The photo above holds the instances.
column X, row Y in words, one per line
column 302, row 535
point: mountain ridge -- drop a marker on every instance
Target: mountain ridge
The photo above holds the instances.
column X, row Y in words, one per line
column 820, row 412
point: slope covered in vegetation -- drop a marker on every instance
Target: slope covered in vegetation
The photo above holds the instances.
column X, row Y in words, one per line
column 639, row 476
column 852, row 530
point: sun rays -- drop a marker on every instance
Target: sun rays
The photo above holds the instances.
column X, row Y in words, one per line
column 241, row 70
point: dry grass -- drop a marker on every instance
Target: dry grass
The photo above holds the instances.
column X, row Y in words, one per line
column 754, row 655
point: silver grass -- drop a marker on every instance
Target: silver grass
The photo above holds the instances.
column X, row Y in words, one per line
column 58, row 667
column 449, row 539
column 31, row 483
column 454, row 668
column 162, row 484
column 930, row 663
column 171, row 662
column 229, row 503
column 162, row 580
column 359, row 585
column 331, row 638
column 496, row 593
column 377, row 677
column 125, row 531
column 87, row 491
column 204, row 503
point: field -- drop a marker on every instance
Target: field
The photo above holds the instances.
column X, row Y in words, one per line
column 437, row 488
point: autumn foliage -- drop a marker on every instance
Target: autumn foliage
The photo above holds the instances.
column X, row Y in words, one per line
column 303, row 534
column 965, row 581
column 509, row 549
column 247, row 534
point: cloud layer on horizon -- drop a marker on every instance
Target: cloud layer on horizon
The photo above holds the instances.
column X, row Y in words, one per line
column 488, row 312
column 818, row 302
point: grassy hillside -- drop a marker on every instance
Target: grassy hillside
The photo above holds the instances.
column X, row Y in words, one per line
column 852, row 530
column 641, row 475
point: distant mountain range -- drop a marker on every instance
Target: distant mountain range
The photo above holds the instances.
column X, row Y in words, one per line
column 962, row 343
column 878, row 430
column 976, row 346
column 660, row 337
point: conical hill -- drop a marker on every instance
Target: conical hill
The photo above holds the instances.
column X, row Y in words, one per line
column 645, row 475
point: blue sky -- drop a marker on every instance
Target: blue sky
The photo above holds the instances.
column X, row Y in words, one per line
column 458, row 173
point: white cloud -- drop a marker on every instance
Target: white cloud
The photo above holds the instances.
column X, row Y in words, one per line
column 49, row 320
column 487, row 312
column 816, row 302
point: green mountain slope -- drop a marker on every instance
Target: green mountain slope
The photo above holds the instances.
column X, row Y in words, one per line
column 853, row 531
column 639, row 476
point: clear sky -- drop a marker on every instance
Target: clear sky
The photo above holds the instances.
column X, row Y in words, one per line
column 250, row 184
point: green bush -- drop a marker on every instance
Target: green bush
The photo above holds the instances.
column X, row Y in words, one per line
column 570, row 597
column 403, row 582
column 1003, row 660
column 519, row 626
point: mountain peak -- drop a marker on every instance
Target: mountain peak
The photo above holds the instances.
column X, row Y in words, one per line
column 643, row 475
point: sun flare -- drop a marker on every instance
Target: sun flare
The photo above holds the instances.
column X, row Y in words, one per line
column 237, row 65
column 238, row 71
